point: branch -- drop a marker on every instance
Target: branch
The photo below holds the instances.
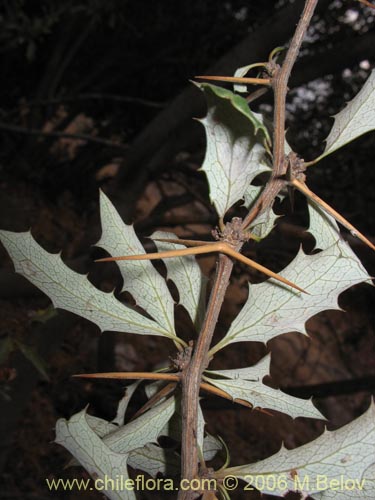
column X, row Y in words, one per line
column 280, row 87
column 192, row 374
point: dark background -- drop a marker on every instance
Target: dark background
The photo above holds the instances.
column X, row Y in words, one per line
column 96, row 95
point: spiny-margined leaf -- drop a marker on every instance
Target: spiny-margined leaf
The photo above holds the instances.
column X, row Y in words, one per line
column 357, row 118
column 341, row 455
column 187, row 276
column 265, row 222
column 234, row 146
column 136, row 438
column 246, row 384
column 272, row 309
column 93, row 454
column 141, row 279
column 255, row 372
column 144, row 429
column 73, row 291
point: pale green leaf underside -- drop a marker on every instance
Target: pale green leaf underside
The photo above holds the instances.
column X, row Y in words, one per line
column 255, row 372
column 273, row 309
column 187, row 276
column 141, row 279
column 154, row 460
column 357, row 118
column 91, row 452
column 246, row 383
column 234, row 151
column 240, row 72
column 322, row 226
column 132, row 441
column 347, row 453
column 72, row 291
column 144, row 429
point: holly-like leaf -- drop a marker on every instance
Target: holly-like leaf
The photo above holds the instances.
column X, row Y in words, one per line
column 144, row 429
column 73, row 291
column 255, row 372
column 338, row 464
column 187, row 276
column 93, row 454
column 155, row 460
column 141, row 279
column 234, row 152
column 246, row 384
column 273, row 309
column 137, row 437
column 357, row 118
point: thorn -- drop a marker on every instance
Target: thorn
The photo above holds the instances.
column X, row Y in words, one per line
column 188, row 243
column 236, row 79
column 354, row 231
column 218, row 246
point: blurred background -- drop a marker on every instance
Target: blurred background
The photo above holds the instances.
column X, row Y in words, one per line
column 96, row 95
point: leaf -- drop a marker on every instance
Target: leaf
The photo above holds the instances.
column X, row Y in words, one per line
column 325, row 234
column 155, row 460
column 136, row 435
column 255, row 372
column 316, row 467
column 144, row 429
column 124, row 402
column 100, row 426
column 141, row 279
column 187, row 276
column 273, row 309
column 246, row 383
column 72, row 291
column 234, row 150
column 100, row 462
column 357, row 118
column 211, row 446
column 265, row 222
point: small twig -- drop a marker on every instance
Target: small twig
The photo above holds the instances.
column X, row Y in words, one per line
column 80, row 137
